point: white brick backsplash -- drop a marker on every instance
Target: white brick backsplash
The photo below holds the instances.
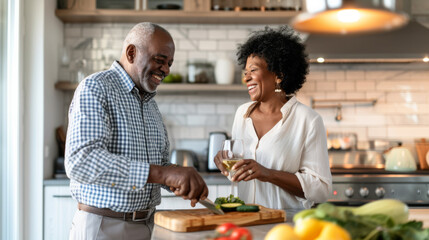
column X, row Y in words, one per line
column 365, row 85
column 185, row 108
column 403, row 108
column 377, row 132
column 225, row 109
column 379, row 96
column 206, row 108
column 186, row 44
column 355, row 95
column 115, row 33
column 418, row 75
column 325, row 86
column 207, row 45
column 180, row 55
column 409, row 119
column 308, row 87
column 202, row 120
column 406, row 97
column 197, row 34
column 175, row 120
column 335, row 75
column 164, row 108
column 217, row 34
column 93, row 32
column 408, row 132
column 382, row 75
column 403, row 86
column 335, row 95
column 227, row 45
column 177, row 34
column 73, row 32
column 200, row 55
column 355, row 75
column 238, row 34
column 316, row 75
column 346, row 86
column 192, row 133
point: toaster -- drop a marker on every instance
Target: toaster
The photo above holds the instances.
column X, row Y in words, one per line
column 215, row 145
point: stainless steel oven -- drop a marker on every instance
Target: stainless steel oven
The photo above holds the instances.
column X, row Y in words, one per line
column 359, row 186
column 359, row 177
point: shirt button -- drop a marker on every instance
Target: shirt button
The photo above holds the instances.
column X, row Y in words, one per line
column 134, row 187
column 113, row 184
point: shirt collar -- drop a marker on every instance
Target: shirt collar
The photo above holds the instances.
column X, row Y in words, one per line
column 127, row 83
column 287, row 107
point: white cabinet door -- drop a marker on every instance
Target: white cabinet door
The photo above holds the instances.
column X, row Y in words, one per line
column 171, row 201
column 59, row 209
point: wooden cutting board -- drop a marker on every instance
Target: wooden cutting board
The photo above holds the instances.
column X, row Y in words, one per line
column 202, row 219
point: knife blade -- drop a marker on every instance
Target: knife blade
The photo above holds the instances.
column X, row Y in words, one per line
column 211, row 206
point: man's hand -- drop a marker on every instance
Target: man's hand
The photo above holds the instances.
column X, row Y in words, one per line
column 183, row 181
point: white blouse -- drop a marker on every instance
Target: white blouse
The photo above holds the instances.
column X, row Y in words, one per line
column 296, row 144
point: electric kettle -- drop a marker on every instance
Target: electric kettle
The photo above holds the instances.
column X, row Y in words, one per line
column 400, row 159
column 215, row 145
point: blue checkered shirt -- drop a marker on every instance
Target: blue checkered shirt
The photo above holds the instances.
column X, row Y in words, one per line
column 114, row 134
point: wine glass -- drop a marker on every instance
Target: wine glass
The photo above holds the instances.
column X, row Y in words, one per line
column 232, row 152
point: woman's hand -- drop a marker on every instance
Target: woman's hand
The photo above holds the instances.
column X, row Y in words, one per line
column 248, row 169
column 218, row 161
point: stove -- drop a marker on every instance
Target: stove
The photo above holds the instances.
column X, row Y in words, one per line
column 357, row 186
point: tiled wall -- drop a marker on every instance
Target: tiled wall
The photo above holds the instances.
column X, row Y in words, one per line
column 401, row 90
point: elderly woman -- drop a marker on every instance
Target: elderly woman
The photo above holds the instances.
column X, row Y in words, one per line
column 286, row 160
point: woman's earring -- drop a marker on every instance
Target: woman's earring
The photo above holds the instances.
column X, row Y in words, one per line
column 278, row 88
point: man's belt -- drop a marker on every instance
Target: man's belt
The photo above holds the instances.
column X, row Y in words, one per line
column 136, row 216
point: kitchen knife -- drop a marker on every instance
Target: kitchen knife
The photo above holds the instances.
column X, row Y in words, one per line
column 211, row 206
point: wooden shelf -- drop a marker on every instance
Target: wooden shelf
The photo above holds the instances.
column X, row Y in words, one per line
column 172, row 87
column 175, row 16
column 66, row 86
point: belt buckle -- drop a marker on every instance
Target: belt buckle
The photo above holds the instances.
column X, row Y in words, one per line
column 148, row 214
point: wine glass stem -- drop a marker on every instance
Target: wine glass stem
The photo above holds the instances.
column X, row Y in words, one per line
column 233, row 184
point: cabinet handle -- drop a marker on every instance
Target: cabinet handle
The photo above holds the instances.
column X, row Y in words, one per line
column 62, row 196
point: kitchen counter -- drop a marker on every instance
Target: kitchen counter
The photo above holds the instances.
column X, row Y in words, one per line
column 214, row 178
column 259, row 231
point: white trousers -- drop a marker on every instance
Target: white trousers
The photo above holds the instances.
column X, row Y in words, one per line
column 89, row 226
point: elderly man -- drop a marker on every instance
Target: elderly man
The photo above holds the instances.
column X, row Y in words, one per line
column 117, row 145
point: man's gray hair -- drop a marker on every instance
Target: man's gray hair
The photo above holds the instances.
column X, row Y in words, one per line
column 139, row 35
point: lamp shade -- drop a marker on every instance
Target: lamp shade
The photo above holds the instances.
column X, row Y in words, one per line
column 349, row 16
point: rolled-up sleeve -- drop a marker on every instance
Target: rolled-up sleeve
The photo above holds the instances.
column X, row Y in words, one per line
column 314, row 174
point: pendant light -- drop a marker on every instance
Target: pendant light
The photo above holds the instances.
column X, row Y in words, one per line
column 349, row 16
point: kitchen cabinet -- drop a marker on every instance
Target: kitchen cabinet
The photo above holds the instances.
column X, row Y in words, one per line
column 59, row 209
column 194, row 11
column 173, row 87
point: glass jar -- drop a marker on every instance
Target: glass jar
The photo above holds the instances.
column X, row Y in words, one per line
column 200, row 72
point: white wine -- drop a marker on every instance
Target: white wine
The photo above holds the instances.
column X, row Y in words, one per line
column 229, row 163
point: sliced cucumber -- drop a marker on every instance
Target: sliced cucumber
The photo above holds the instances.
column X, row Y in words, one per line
column 230, row 207
column 248, row 208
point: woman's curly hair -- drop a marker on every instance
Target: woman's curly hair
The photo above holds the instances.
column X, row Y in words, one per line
column 284, row 53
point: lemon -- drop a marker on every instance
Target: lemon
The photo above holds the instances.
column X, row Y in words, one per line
column 309, row 228
column 333, row 232
column 281, row 232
